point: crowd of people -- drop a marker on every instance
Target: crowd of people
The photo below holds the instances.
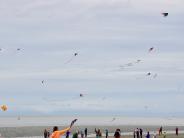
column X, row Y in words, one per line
column 137, row 133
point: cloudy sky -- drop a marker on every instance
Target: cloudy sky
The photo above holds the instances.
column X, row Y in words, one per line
column 106, row 34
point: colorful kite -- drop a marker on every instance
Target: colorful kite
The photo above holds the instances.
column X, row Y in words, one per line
column 4, row 107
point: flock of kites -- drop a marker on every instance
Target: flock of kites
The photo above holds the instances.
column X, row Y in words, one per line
column 5, row 108
column 122, row 67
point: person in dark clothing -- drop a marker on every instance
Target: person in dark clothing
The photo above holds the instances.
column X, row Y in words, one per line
column 137, row 133
column 48, row 133
column 177, row 131
column 75, row 135
column 117, row 134
column 86, row 132
column 148, row 135
column 67, row 134
column 45, row 133
column 106, row 133
column 160, row 131
column 140, row 130
column 118, row 130
column 134, row 133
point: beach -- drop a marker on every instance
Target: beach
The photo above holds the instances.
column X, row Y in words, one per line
column 32, row 135
column 34, row 126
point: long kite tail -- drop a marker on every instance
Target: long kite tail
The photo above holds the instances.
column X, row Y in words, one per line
column 70, row 60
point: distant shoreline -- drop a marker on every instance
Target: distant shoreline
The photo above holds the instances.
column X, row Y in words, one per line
column 89, row 121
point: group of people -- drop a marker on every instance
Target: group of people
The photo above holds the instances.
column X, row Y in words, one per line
column 138, row 133
column 82, row 133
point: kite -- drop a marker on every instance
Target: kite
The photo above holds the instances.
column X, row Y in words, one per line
column 42, row 81
column 155, row 76
column 4, row 107
column 73, row 122
column 138, row 61
column 148, row 74
column 113, row 119
column 130, row 64
column 70, row 60
column 81, row 95
column 165, row 14
column 151, row 49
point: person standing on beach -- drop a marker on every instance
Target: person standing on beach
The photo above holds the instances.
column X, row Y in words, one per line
column 48, row 133
column 176, row 131
column 134, row 133
column 164, row 136
column 160, row 131
column 140, row 130
column 82, row 134
column 148, row 135
column 154, row 135
column 58, row 133
column 106, row 133
column 67, row 134
column 86, row 132
column 75, row 135
column 45, row 133
column 137, row 133
column 117, row 134
column 98, row 133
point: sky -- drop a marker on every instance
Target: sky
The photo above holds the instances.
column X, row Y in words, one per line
column 106, row 34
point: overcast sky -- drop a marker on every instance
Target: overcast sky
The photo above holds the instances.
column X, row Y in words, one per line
column 106, row 34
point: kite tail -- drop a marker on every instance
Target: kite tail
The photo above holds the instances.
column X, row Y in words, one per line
column 70, row 60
